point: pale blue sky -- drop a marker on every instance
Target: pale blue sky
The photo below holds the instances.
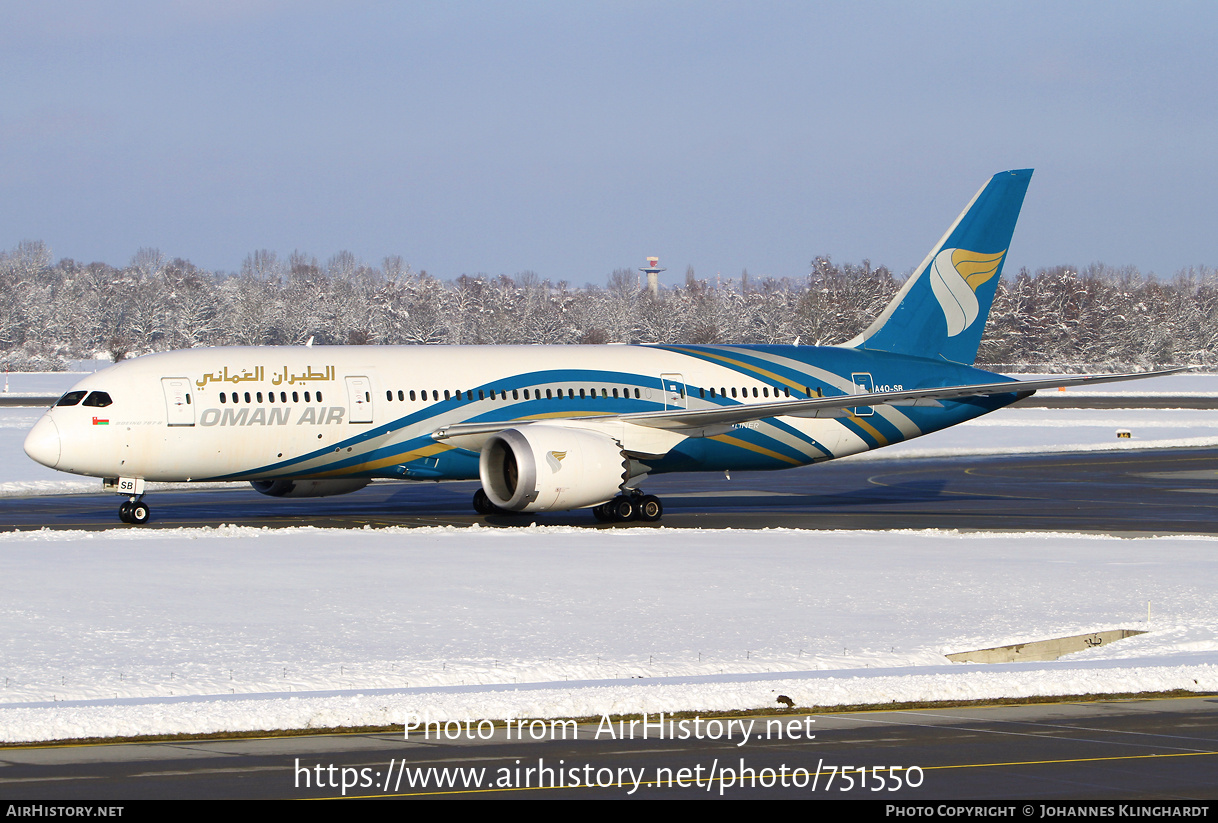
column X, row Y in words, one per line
column 571, row 138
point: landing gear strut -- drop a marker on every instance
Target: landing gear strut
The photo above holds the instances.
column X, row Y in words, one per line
column 645, row 507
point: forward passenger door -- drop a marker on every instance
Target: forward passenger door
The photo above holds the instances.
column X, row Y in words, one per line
column 359, row 396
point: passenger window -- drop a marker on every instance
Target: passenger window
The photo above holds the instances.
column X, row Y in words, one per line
column 71, row 398
column 221, row 397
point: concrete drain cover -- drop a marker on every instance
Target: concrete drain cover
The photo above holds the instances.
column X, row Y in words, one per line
column 1043, row 649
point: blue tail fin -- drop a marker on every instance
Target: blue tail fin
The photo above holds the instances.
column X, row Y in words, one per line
column 941, row 310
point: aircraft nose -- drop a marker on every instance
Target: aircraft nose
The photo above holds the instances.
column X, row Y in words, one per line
column 42, row 443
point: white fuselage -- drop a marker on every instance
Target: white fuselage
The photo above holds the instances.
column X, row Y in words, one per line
column 251, row 413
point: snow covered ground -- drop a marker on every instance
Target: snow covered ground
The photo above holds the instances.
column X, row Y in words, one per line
column 204, row 630
column 140, row 632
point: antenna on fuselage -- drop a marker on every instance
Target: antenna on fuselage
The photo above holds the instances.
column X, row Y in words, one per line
column 309, row 342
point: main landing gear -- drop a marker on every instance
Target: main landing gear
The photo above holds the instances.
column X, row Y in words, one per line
column 135, row 511
column 483, row 505
column 645, row 507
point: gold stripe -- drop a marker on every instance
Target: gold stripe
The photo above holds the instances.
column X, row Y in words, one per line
column 732, row 441
column 867, row 427
column 1099, row 759
column 553, row 415
column 743, row 365
column 398, row 459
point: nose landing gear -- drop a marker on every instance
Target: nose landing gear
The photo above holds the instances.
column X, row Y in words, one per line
column 135, row 511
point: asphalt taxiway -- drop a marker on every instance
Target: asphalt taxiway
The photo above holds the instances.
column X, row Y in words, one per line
column 1115, row 749
column 1135, row 491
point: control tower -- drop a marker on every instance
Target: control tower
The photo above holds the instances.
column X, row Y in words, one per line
column 653, row 275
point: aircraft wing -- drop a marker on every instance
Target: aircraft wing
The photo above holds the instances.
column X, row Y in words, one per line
column 699, row 421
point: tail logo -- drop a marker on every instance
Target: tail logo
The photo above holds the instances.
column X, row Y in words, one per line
column 955, row 276
column 554, row 460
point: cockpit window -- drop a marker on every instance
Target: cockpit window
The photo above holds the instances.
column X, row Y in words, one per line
column 98, row 399
column 71, row 398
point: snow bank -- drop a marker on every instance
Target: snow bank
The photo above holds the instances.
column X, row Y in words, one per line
column 129, row 632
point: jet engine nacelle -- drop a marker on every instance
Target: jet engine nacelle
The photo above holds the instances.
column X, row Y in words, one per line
column 546, row 468
column 285, row 487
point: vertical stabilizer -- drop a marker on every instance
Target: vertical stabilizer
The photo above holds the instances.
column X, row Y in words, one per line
column 941, row 310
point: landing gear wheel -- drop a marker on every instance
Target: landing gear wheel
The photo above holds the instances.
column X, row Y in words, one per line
column 650, row 508
column 139, row 513
column 602, row 512
column 622, row 509
column 124, row 512
column 483, row 504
